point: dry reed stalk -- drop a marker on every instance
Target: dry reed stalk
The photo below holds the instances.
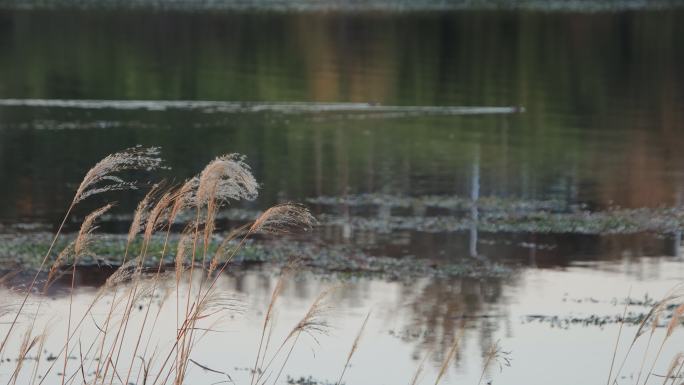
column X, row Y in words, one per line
column 143, row 288
column 652, row 318
column 277, row 291
column 419, row 370
column 124, row 273
column 674, row 322
column 181, row 251
column 184, row 197
column 39, row 351
column 153, row 223
column 284, row 218
column 98, row 179
column 225, row 178
column 495, row 355
column 81, row 245
column 280, row 218
column 55, row 269
column 676, row 362
column 617, row 340
column 141, row 214
column 221, row 254
column 314, row 321
column 181, row 330
column 654, row 325
column 127, row 271
column 27, row 343
column 354, row 347
column 311, row 324
column 678, row 373
column 450, row 355
column 154, row 323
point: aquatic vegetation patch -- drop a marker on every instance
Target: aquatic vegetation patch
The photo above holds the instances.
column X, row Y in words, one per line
column 26, row 250
column 619, row 221
column 154, row 262
column 451, row 202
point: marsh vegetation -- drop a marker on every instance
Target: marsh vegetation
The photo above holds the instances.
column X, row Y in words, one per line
column 492, row 186
column 126, row 341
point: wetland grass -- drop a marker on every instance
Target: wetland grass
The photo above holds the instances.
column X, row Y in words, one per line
column 124, row 349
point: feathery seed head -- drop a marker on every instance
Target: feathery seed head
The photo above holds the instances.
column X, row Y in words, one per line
column 184, row 197
column 84, row 238
column 154, row 218
column 101, row 177
column 284, row 218
column 225, row 178
column 141, row 213
column 314, row 321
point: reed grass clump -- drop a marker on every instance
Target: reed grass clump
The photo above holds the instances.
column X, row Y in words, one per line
column 123, row 350
column 669, row 306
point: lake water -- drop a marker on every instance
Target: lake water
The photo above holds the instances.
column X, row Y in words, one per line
column 353, row 114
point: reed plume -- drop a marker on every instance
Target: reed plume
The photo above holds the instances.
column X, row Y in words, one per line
column 27, row 344
column 674, row 321
column 219, row 302
column 56, row 266
column 225, row 178
column 312, row 323
column 651, row 319
column 495, row 355
column 84, row 238
column 141, row 213
column 284, row 218
column 184, row 243
column 184, row 197
column 98, row 179
column 124, row 273
column 101, row 177
column 676, row 362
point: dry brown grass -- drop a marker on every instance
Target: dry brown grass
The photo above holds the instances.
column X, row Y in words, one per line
column 650, row 325
column 122, row 353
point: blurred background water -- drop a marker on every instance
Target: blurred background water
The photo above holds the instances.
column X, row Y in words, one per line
column 598, row 111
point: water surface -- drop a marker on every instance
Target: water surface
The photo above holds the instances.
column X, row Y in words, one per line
column 332, row 108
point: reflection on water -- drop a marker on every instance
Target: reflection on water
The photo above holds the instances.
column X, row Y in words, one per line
column 408, row 322
column 348, row 112
column 602, row 102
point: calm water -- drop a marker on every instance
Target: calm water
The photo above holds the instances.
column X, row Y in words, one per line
column 603, row 120
column 408, row 322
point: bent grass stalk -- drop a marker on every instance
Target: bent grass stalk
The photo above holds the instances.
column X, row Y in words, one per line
column 450, row 355
column 617, row 340
column 226, row 178
column 354, row 347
